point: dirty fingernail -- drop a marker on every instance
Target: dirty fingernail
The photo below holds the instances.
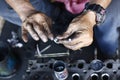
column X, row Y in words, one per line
column 44, row 40
column 51, row 38
column 36, row 38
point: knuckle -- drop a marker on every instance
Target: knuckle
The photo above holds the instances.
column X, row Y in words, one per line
column 42, row 35
column 36, row 27
column 89, row 42
column 88, row 35
column 39, row 33
column 67, row 46
column 34, row 35
column 89, row 38
column 75, row 49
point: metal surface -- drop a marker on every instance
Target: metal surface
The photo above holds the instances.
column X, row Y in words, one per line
column 34, row 68
column 85, row 72
column 40, row 55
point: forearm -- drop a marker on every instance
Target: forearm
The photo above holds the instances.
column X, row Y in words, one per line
column 22, row 7
column 103, row 3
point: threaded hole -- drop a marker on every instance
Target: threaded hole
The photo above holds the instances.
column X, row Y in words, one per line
column 80, row 65
column 109, row 65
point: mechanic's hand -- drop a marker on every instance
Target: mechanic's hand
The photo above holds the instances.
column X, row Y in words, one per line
column 80, row 32
column 38, row 26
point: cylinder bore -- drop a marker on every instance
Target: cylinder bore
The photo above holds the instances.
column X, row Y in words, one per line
column 81, row 65
column 105, row 76
column 59, row 66
column 109, row 65
column 75, row 76
column 94, row 76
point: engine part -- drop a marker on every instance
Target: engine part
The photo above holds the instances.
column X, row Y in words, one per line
column 40, row 55
column 96, row 65
column 75, row 76
column 60, row 70
column 94, row 76
column 105, row 76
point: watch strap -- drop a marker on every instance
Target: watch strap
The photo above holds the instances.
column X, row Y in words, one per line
column 99, row 10
column 95, row 7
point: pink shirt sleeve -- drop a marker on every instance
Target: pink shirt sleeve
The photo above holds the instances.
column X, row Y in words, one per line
column 74, row 6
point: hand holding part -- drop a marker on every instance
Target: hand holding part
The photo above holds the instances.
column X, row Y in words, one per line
column 79, row 33
column 38, row 26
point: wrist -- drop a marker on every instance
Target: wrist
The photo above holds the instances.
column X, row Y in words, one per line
column 24, row 9
column 98, row 10
column 91, row 17
column 26, row 14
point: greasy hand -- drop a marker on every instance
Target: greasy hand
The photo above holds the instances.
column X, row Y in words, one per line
column 38, row 26
column 80, row 31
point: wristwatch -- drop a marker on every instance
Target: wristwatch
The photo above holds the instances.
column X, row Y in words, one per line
column 99, row 10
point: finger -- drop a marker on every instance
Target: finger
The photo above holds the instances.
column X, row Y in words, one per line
column 72, row 41
column 46, row 27
column 39, row 31
column 71, row 29
column 78, row 46
column 31, row 31
column 24, row 35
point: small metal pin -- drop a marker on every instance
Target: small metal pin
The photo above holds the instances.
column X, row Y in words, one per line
column 43, row 50
column 46, row 48
column 56, row 41
column 38, row 51
column 69, row 39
